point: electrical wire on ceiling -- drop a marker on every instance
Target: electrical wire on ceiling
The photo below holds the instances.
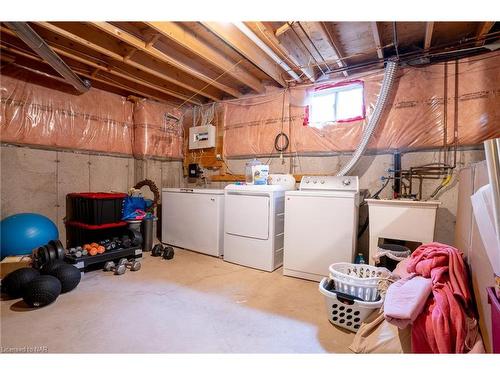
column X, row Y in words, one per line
column 314, row 45
column 304, row 45
column 409, row 56
column 395, row 38
column 209, row 84
column 285, row 57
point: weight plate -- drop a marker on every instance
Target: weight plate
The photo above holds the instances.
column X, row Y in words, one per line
column 38, row 257
column 136, row 237
column 52, row 252
column 45, row 255
column 58, row 247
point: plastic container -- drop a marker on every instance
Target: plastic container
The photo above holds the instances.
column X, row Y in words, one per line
column 389, row 255
column 360, row 259
column 346, row 311
column 78, row 233
column 249, row 170
column 260, row 174
column 95, row 208
column 358, row 280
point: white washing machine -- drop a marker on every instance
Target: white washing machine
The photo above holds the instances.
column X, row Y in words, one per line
column 321, row 221
column 193, row 219
column 254, row 223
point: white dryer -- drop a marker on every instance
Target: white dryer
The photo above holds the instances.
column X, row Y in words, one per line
column 321, row 221
column 254, row 223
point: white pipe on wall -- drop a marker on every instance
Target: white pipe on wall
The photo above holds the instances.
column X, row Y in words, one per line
column 250, row 34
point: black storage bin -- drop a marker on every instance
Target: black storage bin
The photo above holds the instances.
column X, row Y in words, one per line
column 78, row 233
column 95, row 208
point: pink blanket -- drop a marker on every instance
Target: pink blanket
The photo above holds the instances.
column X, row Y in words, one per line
column 405, row 300
column 441, row 327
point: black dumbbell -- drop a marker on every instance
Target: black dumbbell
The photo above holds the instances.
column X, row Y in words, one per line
column 118, row 270
column 133, row 265
column 166, row 252
column 126, row 241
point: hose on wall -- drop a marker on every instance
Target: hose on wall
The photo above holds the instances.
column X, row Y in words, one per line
column 387, row 83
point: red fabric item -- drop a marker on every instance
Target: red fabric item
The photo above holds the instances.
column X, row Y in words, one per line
column 94, row 227
column 441, row 327
column 99, row 195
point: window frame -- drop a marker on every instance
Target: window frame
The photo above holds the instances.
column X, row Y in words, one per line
column 338, row 85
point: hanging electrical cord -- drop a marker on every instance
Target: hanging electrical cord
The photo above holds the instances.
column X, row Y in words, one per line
column 377, row 193
column 282, row 133
column 277, row 140
column 446, row 181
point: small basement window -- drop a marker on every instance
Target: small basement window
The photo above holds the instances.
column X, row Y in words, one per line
column 337, row 103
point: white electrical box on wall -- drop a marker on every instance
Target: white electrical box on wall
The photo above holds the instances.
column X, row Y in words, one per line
column 201, row 137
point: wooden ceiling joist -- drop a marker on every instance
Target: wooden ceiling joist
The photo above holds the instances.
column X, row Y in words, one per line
column 232, row 36
column 179, row 80
column 483, row 29
column 376, row 39
column 289, row 54
column 334, row 43
column 177, row 34
column 99, row 66
column 96, row 75
column 282, row 29
column 149, row 49
column 429, row 28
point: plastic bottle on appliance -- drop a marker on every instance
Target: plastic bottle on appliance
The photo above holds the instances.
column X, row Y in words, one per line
column 260, row 174
column 249, row 171
column 360, row 259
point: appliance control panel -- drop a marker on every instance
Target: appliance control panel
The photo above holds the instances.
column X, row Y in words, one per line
column 339, row 183
column 286, row 180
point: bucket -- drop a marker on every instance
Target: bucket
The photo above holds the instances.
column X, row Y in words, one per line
column 389, row 255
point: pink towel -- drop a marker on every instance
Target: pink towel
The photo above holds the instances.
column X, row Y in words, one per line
column 405, row 300
column 441, row 327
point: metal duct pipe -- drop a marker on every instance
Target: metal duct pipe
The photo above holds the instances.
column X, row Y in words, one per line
column 389, row 76
column 492, row 152
column 250, row 34
column 37, row 44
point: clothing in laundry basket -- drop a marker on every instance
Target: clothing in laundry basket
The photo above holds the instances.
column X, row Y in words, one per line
column 441, row 327
column 405, row 300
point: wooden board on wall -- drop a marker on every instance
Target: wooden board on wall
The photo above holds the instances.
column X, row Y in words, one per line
column 205, row 158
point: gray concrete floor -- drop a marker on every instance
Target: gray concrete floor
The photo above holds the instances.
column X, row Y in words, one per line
column 191, row 304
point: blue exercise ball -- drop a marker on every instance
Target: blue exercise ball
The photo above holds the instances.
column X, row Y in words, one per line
column 21, row 233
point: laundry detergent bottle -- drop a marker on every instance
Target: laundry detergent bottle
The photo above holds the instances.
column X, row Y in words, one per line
column 249, row 171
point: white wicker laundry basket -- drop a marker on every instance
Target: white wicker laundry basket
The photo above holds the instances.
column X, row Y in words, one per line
column 359, row 280
column 346, row 311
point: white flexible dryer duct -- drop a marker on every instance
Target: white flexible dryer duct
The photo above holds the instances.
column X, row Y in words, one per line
column 389, row 76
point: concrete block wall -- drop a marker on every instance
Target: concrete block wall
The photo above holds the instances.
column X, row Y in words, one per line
column 370, row 169
column 36, row 180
